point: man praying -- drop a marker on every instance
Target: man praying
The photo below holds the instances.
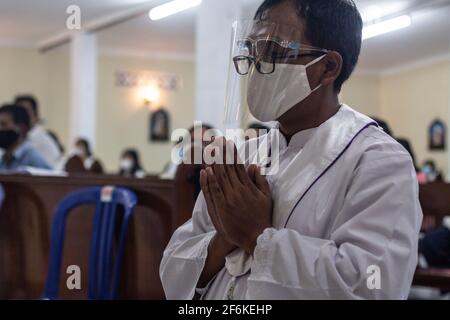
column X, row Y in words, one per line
column 340, row 217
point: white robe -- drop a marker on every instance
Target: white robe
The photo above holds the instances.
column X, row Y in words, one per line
column 345, row 200
column 45, row 145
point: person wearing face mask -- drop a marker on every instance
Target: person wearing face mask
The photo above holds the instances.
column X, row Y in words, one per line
column 185, row 150
column 83, row 160
column 335, row 213
column 431, row 173
column 130, row 164
column 17, row 151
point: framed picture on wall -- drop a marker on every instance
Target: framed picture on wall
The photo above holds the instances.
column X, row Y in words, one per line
column 437, row 136
column 160, row 126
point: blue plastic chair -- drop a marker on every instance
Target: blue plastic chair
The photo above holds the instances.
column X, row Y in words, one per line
column 102, row 284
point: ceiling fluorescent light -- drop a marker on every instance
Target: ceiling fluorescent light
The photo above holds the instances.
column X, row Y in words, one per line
column 386, row 26
column 171, row 8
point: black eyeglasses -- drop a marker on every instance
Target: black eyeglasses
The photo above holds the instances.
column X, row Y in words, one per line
column 274, row 47
column 264, row 65
column 243, row 64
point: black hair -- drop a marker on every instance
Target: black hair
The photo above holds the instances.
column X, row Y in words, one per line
column 203, row 126
column 384, row 125
column 430, row 163
column 334, row 25
column 407, row 145
column 86, row 145
column 191, row 130
column 258, row 126
column 31, row 100
column 19, row 114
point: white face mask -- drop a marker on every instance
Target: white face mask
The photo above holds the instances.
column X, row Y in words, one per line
column 78, row 151
column 126, row 164
column 269, row 96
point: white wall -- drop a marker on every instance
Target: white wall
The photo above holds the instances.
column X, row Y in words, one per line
column 122, row 118
column 409, row 100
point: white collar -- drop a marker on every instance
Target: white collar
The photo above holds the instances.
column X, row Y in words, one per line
column 36, row 130
column 88, row 162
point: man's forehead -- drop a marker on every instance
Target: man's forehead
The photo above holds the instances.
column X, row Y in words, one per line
column 264, row 29
column 285, row 12
column 284, row 19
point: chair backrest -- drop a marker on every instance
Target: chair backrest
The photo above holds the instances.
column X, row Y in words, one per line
column 103, row 278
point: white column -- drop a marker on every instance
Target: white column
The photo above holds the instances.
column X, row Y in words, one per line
column 214, row 22
column 83, row 87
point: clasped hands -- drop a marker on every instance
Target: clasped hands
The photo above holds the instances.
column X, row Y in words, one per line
column 238, row 200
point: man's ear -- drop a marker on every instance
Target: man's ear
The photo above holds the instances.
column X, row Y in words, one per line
column 333, row 67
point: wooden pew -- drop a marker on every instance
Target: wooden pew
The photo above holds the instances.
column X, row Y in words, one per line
column 27, row 212
column 435, row 278
column 25, row 224
column 435, row 202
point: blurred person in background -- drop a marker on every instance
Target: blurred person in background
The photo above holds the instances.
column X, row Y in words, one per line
column 404, row 142
column 431, row 172
column 130, row 164
column 434, row 247
column 38, row 136
column 17, row 150
column 185, row 149
column 187, row 172
column 83, row 159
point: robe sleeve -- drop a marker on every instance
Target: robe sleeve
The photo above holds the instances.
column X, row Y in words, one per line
column 185, row 256
column 375, row 230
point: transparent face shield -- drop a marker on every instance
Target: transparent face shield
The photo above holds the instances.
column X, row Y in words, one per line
column 267, row 73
